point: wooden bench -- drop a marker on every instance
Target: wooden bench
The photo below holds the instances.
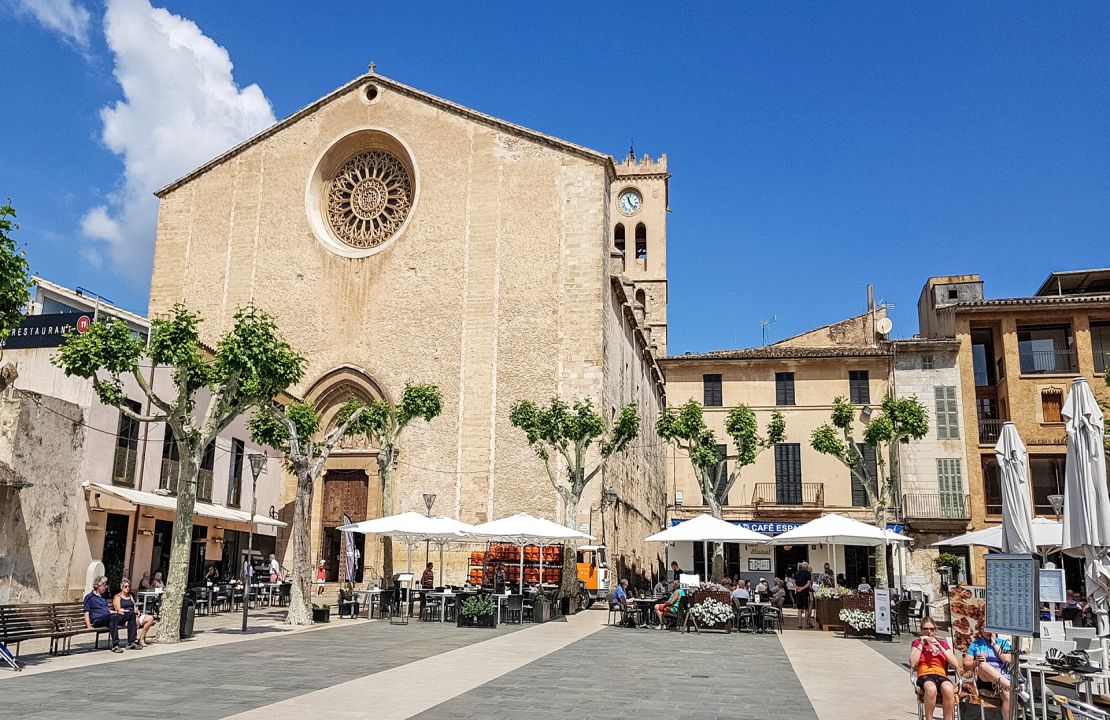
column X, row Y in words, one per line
column 69, row 620
column 29, row 622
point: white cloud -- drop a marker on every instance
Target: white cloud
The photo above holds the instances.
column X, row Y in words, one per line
column 65, row 16
column 181, row 107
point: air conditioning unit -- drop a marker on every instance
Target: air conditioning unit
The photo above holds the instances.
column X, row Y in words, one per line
column 677, row 497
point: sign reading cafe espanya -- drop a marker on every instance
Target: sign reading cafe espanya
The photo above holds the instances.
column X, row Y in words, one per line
column 39, row 331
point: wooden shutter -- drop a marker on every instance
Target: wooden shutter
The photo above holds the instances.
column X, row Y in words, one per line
column 711, row 391
column 859, row 389
column 871, row 462
column 1052, row 403
column 948, row 418
column 784, row 388
column 950, row 483
column 788, row 474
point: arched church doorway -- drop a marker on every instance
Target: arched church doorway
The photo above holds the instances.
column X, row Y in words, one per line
column 345, row 494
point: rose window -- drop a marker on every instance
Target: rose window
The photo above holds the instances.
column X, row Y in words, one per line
column 369, row 198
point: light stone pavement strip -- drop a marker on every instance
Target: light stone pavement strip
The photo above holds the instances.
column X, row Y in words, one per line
column 845, row 678
column 404, row 691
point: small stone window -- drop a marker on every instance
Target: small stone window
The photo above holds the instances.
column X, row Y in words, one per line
column 641, row 242
column 1052, row 404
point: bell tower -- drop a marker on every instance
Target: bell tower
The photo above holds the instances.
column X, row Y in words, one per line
column 639, row 230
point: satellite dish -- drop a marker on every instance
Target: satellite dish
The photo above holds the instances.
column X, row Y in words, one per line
column 884, row 326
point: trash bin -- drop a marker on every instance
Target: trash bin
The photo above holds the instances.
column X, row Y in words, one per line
column 188, row 616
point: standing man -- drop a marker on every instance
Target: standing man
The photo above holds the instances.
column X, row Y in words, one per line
column 676, row 571
column 803, row 583
column 98, row 615
column 275, row 570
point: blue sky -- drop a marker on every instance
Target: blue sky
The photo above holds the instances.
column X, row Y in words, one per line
column 813, row 149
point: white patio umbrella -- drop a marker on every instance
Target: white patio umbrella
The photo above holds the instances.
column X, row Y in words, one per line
column 834, row 529
column 1046, row 536
column 523, row 530
column 1017, row 510
column 706, row 529
column 1086, row 530
column 411, row 528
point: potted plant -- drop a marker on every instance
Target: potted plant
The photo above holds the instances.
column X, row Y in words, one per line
column 858, row 622
column 321, row 613
column 477, row 611
column 541, row 608
column 711, row 614
column 829, row 603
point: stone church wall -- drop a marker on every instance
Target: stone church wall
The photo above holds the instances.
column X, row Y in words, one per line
column 44, row 448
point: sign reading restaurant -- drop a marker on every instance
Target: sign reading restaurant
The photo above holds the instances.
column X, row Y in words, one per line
column 39, row 331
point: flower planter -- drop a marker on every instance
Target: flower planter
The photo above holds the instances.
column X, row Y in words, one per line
column 828, row 613
column 541, row 611
column 476, row 621
column 849, row 631
column 725, row 627
column 321, row 614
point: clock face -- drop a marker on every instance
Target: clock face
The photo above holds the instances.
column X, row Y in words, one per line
column 629, row 202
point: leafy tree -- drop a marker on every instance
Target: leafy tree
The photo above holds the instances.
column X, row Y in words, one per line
column 568, row 432
column 382, row 424
column 15, row 283
column 251, row 366
column 686, row 428
column 291, row 430
column 901, row 420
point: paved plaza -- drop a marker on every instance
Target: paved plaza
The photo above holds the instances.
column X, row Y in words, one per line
column 578, row 668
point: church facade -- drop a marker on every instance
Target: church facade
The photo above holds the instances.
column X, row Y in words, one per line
column 398, row 237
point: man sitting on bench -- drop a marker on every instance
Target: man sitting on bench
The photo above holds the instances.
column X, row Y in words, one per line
column 99, row 614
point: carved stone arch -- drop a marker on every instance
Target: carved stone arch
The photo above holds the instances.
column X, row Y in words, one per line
column 332, row 389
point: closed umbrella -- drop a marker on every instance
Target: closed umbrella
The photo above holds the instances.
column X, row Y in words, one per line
column 1017, row 511
column 1086, row 503
column 348, row 550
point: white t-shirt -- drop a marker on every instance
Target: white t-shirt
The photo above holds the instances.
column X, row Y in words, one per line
column 275, row 568
column 864, row 587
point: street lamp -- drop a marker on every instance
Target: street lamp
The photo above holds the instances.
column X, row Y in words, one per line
column 258, row 463
column 608, row 499
column 429, row 500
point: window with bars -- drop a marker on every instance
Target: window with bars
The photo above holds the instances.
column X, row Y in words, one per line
column 204, row 475
column 235, row 476
column 171, row 463
column 784, row 388
column 871, row 463
column 127, row 447
column 950, row 484
column 788, row 474
column 948, row 418
column 859, row 388
column 711, row 391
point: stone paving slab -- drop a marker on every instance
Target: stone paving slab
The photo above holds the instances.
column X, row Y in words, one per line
column 215, row 682
column 646, row 674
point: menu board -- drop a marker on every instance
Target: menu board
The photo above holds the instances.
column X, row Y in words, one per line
column 882, row 613
column 1012, row 607
column 1052, row 585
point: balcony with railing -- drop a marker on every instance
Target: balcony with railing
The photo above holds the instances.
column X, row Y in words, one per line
column 792, row 495
column 936, row 506
column 1048, row 362
column 990, row 429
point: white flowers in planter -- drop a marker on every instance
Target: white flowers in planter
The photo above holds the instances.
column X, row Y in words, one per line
column 858, row 619
column 711, row 612
column 826, row 593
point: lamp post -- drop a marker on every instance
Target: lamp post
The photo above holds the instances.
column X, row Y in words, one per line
column 1057, row 503
column 429, row 500
column 258, row 462
column 608, row 499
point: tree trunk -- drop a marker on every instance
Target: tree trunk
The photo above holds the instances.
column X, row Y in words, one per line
column 718, row 567
column 386, row 470
column 568, row 585
column 879, row 580
column 300, row 595
column 177, row 575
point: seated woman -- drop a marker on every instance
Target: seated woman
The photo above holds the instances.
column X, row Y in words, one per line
column 157, row 584
column 670, row 604
column 932, row 657
column 989, row 657
column 124, row 603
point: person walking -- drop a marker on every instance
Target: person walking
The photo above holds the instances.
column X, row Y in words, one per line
column 803, row 583
column 321, row 575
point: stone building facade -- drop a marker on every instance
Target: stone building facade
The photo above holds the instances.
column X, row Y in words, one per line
column 791, row 483
column 1017, row 359
column 398, row 237
column 84, row 479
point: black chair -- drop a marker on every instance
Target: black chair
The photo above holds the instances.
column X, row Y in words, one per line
column 746, row 617
column 348, row 606
column 915, row 613
column 514, row 610
column 285, row 595
column 771, row 616
column 677, row 617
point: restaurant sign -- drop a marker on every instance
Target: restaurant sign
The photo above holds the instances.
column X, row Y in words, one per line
column 42, row 331
column 777, row 527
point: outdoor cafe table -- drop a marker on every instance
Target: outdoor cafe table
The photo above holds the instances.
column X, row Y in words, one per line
column 759, row 606
column 644, row 607
column 269, row 588
column 443, row 595
column 1086, row 679
column 372, row 593
column 146, row 595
